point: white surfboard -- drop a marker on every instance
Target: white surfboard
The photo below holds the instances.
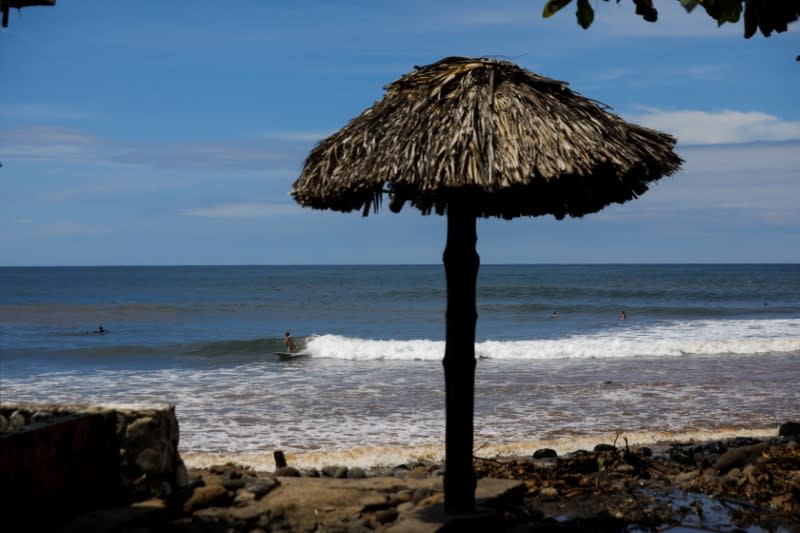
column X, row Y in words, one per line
column 285, row 356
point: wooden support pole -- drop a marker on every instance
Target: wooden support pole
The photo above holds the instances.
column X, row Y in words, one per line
column 461, row 264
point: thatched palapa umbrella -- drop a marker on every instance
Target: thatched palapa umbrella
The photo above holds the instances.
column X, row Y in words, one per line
column 480, row 138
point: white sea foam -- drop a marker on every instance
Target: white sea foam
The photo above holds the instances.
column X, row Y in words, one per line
column 702, row 337
column 387, row 456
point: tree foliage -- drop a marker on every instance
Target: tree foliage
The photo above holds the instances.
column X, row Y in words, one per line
column 762, row 15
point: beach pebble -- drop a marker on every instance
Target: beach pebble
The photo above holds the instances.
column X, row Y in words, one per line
column 277, row 512
column 386, row 515
column 419, row 472
column 211, row 515
column 233, row 484
column 687, row 476
column 207, row 496
column 250, row 513
column 433, row 499
column 548, row 493
column 419, row 494
column 405, row 495
column 243, row 498
column 405, row 506
column 3, row 423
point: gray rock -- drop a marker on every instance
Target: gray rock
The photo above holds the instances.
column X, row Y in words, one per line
column 211, row 515
column 181, row 475
column 356, row 473
column 277, row 512
column 262, row 487
column 207, row 496
column 419, row 495
column 605, row 448
column 739, row 457
column 16, row 421
column 140, row 429
column 544, row 453
column 789, row 429
column 250, row 513
column 40, row 416
column 244, row 498
column 644, row 451
column 234, row 484
column 405, row 506
column 385, row 516
column 338, row 472
column 150, row 461
column 287, row 471
column 402, row 496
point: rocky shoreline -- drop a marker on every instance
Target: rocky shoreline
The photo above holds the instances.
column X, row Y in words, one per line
column 735, row 485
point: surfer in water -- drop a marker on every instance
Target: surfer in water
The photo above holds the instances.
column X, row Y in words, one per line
column 291, row 346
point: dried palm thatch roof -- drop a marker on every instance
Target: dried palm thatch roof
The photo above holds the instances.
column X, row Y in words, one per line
column 5, row 5
column 512, row 142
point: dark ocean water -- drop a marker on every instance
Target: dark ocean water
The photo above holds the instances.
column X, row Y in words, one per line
column 705, row 350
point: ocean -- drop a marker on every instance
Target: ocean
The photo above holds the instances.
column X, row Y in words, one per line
column 706, row 351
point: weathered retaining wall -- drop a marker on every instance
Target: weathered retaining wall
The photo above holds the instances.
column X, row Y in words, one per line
column 64, row 459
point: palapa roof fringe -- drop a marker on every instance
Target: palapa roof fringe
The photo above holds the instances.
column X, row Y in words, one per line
column 515, row 143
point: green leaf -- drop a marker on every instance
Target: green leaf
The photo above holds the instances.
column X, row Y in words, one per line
column 689, row 5
column 553, row 6
column 585, row 14
column 723, row 10
column 750, row 19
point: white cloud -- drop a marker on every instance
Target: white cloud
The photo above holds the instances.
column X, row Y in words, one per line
column 302, row 136
column 45, row 142
column 42, row 111
column 719, row 127
column 285, row 150
column 756, row 180
column 243, row 210
column 66, row 228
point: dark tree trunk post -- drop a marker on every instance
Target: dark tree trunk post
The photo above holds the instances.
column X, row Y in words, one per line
column 461, row 264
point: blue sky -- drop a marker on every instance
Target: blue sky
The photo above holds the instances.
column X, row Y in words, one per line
column 138, row 133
